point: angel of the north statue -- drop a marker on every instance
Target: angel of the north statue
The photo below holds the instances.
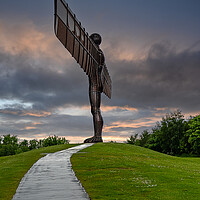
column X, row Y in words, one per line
column 86, row 51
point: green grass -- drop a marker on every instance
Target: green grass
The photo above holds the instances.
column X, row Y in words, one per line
column 13, row 168
column 121, row 171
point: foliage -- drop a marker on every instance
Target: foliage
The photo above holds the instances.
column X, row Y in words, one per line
column 122, row 171
column 144, row 139
column 54, row 140
column 24, row 146
column 168, row 133
column 10, row 145
column 141, row 140
column 194, row 134
column 172, row 135
column 33, row 144
column 132, row 139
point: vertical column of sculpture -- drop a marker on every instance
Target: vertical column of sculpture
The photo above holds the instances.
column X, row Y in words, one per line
column 86, row 51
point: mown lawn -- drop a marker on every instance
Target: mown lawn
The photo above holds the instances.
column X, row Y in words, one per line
column 122, row 171
column 13, row 168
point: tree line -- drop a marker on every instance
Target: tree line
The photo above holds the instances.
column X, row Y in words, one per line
column 173, row 135
column 11, row 144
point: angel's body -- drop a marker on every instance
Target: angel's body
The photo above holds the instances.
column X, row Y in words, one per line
column 86, row 51
column 95, row 90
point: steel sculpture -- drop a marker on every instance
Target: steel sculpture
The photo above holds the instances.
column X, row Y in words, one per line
column 86, row 51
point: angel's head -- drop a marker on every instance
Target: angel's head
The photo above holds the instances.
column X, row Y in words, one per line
column 96, row 38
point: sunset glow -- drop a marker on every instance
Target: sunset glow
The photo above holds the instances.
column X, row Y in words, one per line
column 152, row 51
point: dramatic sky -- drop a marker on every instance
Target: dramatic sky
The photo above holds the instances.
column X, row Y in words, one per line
column 152, row 50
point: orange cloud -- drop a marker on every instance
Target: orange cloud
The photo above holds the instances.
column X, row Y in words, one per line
column 38, row 136
column 36, row 123
column 193, row 114
column 27, row 38
column 124, row 50
column 37, row 114
column 9, row 112
column 161, row 109
column 24, row 113
column 146, row 122
column 126, row 108
column 29, row 128
column 111, row 108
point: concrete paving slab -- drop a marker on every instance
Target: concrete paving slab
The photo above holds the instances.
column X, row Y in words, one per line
column 52, row 178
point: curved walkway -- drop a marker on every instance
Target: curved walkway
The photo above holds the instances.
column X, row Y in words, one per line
column 52, row 178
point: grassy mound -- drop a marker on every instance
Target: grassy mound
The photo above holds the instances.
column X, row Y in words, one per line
column 13, row 168
column 122, row 171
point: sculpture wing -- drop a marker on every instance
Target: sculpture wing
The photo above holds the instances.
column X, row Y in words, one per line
column 77, row 41
column 106, row 82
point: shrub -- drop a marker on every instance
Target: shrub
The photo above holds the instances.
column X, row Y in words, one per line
column 132, row 139
column 9, row 145
column 193, row 134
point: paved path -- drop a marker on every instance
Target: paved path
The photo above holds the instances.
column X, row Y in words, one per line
column 52, row 178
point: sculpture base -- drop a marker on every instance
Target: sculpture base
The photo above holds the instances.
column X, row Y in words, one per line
column 93, row 140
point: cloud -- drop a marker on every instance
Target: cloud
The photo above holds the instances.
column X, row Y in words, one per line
column 124, row 48
column 19, row 112
column 125, row 126
column 26, row 38
column 166, row 78
column 122, row 108
column 35, row 68
column 43, row 91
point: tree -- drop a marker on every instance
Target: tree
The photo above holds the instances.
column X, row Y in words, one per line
column 132, row 139
column 8, row 139
column 33, row 144
column 193, row 134
column 168, row 134
column 9, row 145
column 53, row 140
column 155, row 138
column 24, row 145
column 144, row 138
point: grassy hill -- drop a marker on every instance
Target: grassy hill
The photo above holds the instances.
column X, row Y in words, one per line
column 121, row 171
column 115, row 171
column 13, row 168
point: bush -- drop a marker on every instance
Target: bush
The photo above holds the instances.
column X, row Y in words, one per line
column 33, row 144
column 144, row 138
column 9, row 145
column 168, row 134
column 54, row 140
column 132, row 139
column 24, row 146
column 141, row 140
column 172, row 135
column 193, row 134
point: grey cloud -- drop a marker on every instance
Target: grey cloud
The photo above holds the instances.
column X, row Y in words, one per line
column 39, row 84
column 62, row 125
column 166, row 78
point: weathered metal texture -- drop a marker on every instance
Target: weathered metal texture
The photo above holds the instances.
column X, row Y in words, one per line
column 77, row 41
